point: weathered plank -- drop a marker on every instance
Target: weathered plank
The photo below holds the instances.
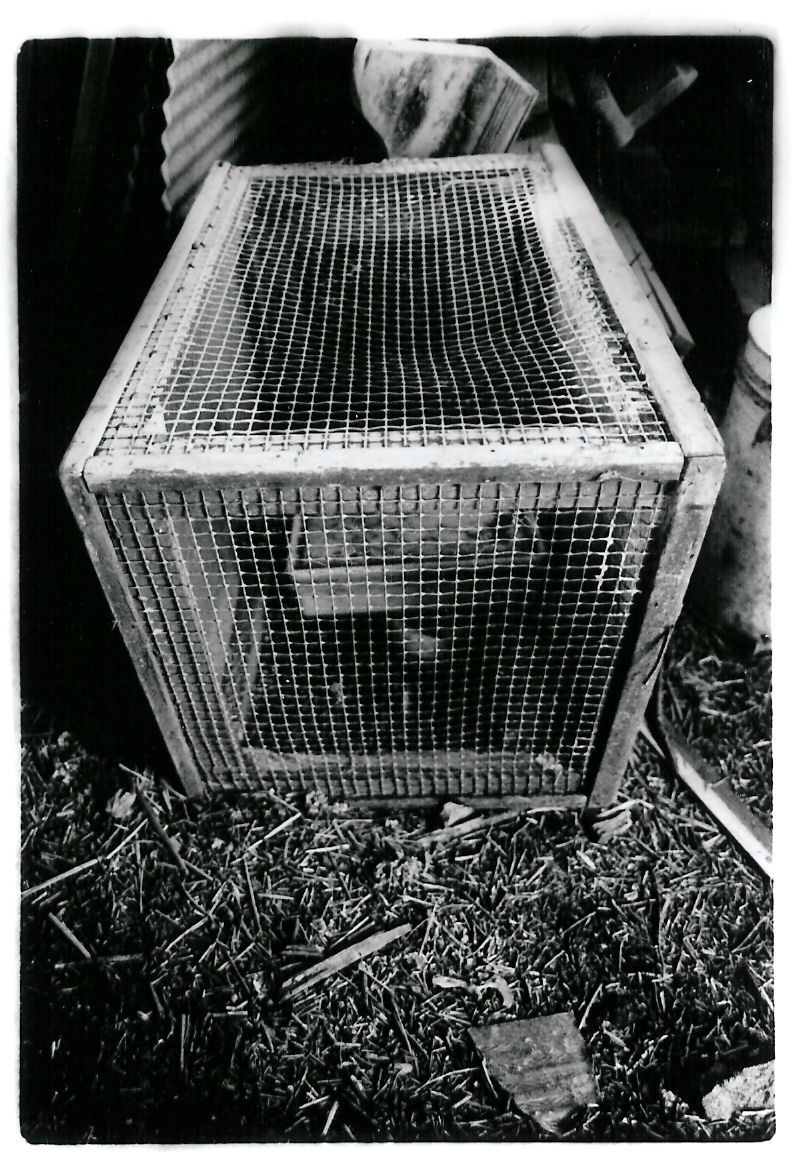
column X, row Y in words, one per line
column 640, row 263
column 127, row 612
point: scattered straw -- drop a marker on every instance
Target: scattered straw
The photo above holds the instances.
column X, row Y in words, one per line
column 659, row 942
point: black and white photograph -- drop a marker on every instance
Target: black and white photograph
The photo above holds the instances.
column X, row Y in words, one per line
column 394, row 585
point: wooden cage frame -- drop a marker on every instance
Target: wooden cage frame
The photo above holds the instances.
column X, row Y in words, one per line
column 694, row 461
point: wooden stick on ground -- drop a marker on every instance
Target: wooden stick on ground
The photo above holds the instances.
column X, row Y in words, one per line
column 153, row 820
column 42, row 886
column 467, row 828
column 714, row 791
column 351, row 955
column 67, row 932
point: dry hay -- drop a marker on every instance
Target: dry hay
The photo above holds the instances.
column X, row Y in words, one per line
column 156, row 951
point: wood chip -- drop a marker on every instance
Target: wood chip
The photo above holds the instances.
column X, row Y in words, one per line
column 453, row 813
column 541, row 1063
column 752, row 1088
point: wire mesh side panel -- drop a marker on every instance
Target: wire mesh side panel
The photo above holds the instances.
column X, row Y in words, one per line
column 417, row 302
column 395, row 640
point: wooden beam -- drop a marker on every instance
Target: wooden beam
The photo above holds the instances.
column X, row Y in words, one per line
column 132, row 627
column 713, row 790
column 689, row 520
column 689, row 422
column 434, row 463
column 94, row 423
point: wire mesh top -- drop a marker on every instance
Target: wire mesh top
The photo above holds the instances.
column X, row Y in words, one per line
column 408, row 302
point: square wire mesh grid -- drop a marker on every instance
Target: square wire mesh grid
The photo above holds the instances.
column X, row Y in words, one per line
column 407, row 640
column 408, row 302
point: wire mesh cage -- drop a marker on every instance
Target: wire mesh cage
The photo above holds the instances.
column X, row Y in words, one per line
column 396, row 484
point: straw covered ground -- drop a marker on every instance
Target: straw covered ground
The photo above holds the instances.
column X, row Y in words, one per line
column 163, row 942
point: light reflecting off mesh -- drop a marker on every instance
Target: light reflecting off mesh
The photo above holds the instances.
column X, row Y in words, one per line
column 399, row 640
column 424, row 302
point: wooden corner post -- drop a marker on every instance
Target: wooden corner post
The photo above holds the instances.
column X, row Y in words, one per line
column 689, row 518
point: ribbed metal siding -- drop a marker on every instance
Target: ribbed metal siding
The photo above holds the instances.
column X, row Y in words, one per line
column 212, row 112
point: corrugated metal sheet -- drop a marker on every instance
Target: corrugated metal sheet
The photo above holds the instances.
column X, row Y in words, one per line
column 212, row 111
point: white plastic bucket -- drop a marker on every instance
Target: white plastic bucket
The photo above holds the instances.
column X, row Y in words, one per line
column 734, row 570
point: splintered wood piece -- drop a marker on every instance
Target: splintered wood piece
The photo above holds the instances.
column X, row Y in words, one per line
column 351, row 955
column 440, row 99
column 612, row 822
column 478, row 825
column 541, row 1063
column 453, row 813
column 67, row 932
